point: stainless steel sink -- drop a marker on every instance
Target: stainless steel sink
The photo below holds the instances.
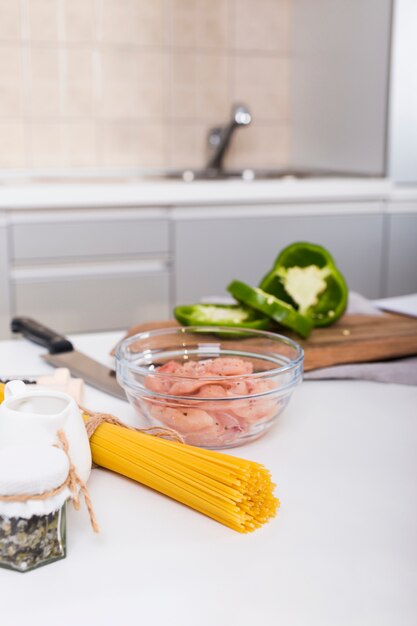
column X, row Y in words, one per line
column 135, row 176
column 189, row 175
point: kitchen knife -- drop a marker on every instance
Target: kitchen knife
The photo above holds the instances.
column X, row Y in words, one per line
column 61, row 353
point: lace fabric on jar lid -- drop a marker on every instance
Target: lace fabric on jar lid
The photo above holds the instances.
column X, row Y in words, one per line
column 33, row 492
column 45, row 459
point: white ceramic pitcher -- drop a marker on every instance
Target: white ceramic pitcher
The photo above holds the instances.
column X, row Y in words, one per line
column 34, row 416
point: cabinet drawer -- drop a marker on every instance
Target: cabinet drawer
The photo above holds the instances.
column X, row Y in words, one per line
column 88, row 237
column 212, row 252
column 401, row 278
column 94, row 302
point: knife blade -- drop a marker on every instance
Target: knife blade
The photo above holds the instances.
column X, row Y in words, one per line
column 61, row 353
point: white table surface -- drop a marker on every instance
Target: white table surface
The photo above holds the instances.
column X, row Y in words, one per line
column 342, row 550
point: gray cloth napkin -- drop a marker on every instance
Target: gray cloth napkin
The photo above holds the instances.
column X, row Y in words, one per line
column 401, row 371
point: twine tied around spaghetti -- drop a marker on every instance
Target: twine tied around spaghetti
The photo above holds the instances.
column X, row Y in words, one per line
column 96, row 419
column 72, row 481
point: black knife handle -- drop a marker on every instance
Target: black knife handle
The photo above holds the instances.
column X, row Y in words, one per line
column 41, row 334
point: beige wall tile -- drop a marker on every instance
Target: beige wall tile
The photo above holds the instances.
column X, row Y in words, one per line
column 187, row 147
column 11, row 99
column 259, row 146
column 262, row 83
column 140, row 82
column 184, row 85
column 10, row 20
column 79, row 65
column 256, row 146
column 44, row 90
column 43, row 18
column 262, row 25
column 44, row 64
column 11, row 81
column 46, row 145
column 13, row 148
column 214, row 94
column 152, row 145
column 79, row 144
column 11, row 63
column 200, row 23
column 132, row 145
column 117, row 23
column 118, row 64
column 77, row 101
column 118, row 88
column 201, row 88
column 133, row 85
column 44, row 101
column 139, row 22
column 80, row 20
column 77, row 90
column 153, row 73
column 152, row 26
column 119, row 100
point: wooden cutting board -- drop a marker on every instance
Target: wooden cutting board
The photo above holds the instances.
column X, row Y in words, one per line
column 353, row 339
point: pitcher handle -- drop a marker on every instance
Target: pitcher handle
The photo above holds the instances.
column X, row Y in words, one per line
column 15, row 388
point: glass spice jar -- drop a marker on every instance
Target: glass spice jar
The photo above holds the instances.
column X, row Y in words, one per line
column 26, row 544
column 33, row 496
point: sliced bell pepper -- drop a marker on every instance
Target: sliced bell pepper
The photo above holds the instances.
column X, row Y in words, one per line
column 276, row 309
column 305, row 276
column 230, row 315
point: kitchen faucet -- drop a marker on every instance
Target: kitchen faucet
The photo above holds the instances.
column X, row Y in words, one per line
column 219, row 138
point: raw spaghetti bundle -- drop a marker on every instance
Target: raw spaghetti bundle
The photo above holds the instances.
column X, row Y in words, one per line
column 235, row 492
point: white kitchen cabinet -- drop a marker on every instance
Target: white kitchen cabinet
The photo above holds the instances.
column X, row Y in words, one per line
column 401, row 270
column 85, row 270
column 81, row 269
column 212, row 251
column 96, row 301
column 88, row 234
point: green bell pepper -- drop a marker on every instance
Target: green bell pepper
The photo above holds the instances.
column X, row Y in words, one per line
column 232, row 316
column 306, row 277
column 276, row 309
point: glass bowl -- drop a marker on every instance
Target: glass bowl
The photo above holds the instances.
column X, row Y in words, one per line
column 217, row 388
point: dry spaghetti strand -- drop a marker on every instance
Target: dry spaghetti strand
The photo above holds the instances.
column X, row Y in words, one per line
column 234, row 491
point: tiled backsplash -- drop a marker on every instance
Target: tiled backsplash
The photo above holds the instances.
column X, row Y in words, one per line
column 138, row 83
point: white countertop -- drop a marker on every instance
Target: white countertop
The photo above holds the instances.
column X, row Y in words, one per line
column 342, row 550
column 174, row 193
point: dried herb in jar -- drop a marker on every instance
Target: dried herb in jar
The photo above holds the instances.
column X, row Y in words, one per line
column 29, row 543
column 33, row 494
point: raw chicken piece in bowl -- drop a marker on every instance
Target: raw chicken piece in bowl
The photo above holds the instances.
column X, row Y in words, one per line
column 217, row 389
